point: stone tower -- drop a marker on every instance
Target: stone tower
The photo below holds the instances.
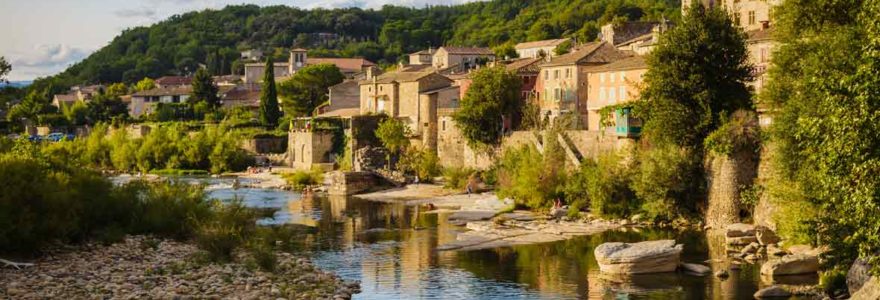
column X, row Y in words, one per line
column 298, row 58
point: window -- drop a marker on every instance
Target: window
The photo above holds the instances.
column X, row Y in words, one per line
column 611, row 77
column 567, row 73
column 443, row 125
column 555, row 74
column 380, row 88
column 763, row 54
column 622, row 93
column 557, row 94
column 736, row 19
column 622, row 76
column 602, row 93
column 752, row 17
column 369, row 89
column 611, row 96
column 546, row 74
column 602, row 77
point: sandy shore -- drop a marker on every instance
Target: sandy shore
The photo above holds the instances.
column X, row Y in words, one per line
column 143, row 268
column 266, row 180
column 412, row 192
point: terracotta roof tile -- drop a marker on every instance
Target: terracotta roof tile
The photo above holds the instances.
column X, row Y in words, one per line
column 345, row 64
column 536, row 44
column 468, row 50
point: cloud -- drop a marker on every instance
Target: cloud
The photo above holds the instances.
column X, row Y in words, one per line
column 143, row 12
column 45, row 60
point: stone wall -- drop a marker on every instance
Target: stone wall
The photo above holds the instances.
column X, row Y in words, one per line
column 349, row 183
column 765, row 209
column 265, row 145
column 450, row 143
column 727, row 176
column 307, row 148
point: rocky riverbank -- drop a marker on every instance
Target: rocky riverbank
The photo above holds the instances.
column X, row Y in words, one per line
column 142, row 267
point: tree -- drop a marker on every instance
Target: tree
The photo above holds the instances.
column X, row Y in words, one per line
column 145, row 84
column 307, row 89
column 393, row 134
column 826, row 88
column 493, row 96
column 105, row 106
column 506, row 51
column 116, row 90
column 203, row 90
column 5, row 68
column 269, row 112
column 562, row 48
column 696, row 75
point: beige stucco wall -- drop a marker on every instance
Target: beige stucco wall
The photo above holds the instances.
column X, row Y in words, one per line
column 610, row 88
column 372, row 94
column 759, row 56
column 254, row 73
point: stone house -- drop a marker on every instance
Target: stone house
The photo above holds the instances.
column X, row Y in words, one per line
column 527, row 69
column 561, row 88
column 748, row 14
column 144, row 102
column 643, row 44
column 611, row 84
column 538, row 49
column 413, row 97
column 245, row 95
column 309, row 148
column 168, row 82
column 253, row 72
column 424, row 57
column 76, row 93
column 344, row 100
column 463, row 57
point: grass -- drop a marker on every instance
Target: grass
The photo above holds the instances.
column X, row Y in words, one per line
column 299, row 180
column 457, row 178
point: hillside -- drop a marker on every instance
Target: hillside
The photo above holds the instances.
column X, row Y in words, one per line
column 215, row 38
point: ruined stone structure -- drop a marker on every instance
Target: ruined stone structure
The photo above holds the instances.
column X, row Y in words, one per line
column 308, row 148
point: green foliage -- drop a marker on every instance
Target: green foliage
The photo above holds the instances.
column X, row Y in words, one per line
column 5, row 68
column 145, row 84
column 457, row 177
column 393, row 134
column 76, row 113
column 204, row 90
column 269, row 111
column 493, row 95
column 740, row 133
column 505, row 51
column 563, row 48
column 665, row 182
column 826, row 89
column 307, row 89
column 530, row 178
column 423, row 163
column 300, row 179
column 696, row 75
column 226, row 230
column 116, row 90
column 608, row 181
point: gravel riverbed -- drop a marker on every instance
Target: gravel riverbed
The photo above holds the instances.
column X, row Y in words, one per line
column 142, row 267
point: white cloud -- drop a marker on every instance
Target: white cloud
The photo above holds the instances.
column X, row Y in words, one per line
column 142, row 12
column 45, row 60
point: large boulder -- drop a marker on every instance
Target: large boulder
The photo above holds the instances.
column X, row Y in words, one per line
column 638, row 258
column 791, row 265
column 858, row 274
column 869, row 291
column 740, row 230
column 766, row 236
column 773, row 291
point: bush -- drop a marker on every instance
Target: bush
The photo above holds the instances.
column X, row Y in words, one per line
column 457, row 178
column 423, row 163
column 299, row 180
column 525, row 176
column 668, row 182
column 608, row 182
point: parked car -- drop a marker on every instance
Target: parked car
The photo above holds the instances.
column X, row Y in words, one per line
column 58, row 136
column 13, row 136
column 35, row 138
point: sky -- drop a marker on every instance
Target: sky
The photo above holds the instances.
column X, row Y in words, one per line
column 44, row 37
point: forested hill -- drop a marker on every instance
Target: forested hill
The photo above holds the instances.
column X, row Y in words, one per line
column 215, row 37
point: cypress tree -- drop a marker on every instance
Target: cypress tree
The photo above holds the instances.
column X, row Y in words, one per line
column 204, row 90
column 269, row 112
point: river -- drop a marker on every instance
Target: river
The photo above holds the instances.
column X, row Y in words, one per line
column 391, row 250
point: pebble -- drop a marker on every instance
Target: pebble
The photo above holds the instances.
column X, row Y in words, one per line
column 128, row 271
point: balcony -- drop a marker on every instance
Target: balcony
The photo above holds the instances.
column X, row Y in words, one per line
column 625, row 124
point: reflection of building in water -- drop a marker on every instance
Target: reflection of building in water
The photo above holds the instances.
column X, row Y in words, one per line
column 301, row 211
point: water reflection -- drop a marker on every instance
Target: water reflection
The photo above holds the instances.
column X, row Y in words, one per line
column 391, row 249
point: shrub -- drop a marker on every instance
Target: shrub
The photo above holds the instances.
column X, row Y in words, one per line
column 608, row 182
column 423, row 163
column 225, row 230
column 457, row 178
column 300, row 179
column 524, row 175
column 668, row 182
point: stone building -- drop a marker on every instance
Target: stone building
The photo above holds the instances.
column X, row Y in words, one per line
column 424, row 57
column 253, row 72
column 614, row 83
column 344, row 100
column 168, row 82
column 245, row 95
column 562, row 88
column 144, row 102
column 76, row 93
column 309, row 148
column 463, row 57
column 538, row 49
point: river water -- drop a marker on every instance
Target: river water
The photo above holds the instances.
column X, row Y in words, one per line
column 391, row 250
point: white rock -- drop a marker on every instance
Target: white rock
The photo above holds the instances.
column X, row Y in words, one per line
column 791, row 265
column 638, row 258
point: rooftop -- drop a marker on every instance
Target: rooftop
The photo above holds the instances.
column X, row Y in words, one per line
column 540, row 44
column 524, row 65
column 344, row 64
column 595, row 52
column 174, row 80
column 468, row 50
column 169, row 91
